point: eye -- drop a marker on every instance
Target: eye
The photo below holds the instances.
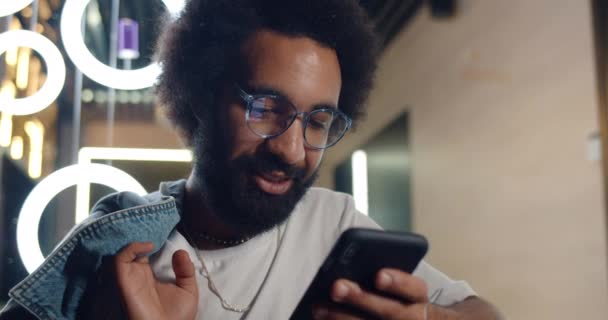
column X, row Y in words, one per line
column 263, row 107
column 259, row 113
column 320, row 120
column 315, row 124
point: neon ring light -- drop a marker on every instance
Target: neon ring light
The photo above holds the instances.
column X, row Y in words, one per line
column 55, row 67
column 71, row 18
column 8, row 7
column 29, row 218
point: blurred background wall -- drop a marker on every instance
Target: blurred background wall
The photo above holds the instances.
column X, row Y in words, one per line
column 505, row 182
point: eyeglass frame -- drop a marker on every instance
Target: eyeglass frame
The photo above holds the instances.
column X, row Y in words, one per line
column 249, row 98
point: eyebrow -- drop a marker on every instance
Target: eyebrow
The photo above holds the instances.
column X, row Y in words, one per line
column 268, row 90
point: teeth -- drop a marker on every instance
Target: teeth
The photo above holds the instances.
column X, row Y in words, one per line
column 273, row 187
column 274, row 178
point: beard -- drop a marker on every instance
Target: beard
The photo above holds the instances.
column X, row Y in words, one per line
column 231, row 192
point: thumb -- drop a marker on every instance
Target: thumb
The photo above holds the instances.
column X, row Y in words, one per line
column 184, row 272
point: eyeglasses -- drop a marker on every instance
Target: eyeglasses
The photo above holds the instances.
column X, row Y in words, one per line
column 270, row 115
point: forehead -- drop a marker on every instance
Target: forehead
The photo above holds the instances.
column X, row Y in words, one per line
column 298, row 66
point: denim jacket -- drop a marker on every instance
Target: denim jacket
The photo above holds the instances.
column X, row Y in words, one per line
column 74, row 282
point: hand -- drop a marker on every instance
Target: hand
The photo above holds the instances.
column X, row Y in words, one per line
column 147, row 298
column 397, row 283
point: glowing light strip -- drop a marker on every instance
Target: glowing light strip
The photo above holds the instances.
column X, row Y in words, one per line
column 16, row 150
column 55, row 72
column 35, row 76
column 172, row 155
column 6, row 129
column 8, row 7
column 45, row 191
column 87, row 154
column 7, row 91
column 73, row 42
column 35, row 133
column 359, row 174
column 12, row 55
column 23, row 68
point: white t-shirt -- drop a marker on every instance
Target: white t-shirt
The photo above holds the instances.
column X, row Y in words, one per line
column 273, row 270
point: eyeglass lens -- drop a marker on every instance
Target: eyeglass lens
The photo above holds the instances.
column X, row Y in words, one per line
column 270, row 116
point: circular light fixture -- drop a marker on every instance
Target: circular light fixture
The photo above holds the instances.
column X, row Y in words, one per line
column 55, row 67
column 71, row 18
column 29, row 218
column 10, row 7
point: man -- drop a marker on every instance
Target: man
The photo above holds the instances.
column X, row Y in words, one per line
column 258, row 89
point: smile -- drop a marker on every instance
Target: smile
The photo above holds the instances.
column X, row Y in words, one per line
column 273, row 184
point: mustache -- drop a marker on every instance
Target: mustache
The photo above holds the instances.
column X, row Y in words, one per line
column 265, row 161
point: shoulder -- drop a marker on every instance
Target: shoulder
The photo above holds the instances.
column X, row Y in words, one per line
column 126, row 200
column 123, row 200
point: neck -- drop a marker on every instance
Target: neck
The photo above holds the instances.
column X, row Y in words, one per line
column 199, row 218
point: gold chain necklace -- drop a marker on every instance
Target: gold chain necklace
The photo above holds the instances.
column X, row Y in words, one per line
column 205, row 273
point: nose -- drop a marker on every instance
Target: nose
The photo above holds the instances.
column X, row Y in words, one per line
column 290, row 144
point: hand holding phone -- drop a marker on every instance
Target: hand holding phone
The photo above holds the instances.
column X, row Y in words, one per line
column 357, row 256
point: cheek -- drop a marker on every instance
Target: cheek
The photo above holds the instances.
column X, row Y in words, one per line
column 313, row 160
column 243, row 141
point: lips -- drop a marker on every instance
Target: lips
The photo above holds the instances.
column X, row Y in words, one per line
column 275, row 183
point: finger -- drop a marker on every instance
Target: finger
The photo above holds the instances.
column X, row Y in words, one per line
column 134, row 251
column 185, row 276
column 401, row 284
column 348, row 292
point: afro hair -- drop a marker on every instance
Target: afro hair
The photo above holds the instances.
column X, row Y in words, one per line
column 201, row 49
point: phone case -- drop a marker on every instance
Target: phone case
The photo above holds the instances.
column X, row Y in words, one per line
column 358, row 255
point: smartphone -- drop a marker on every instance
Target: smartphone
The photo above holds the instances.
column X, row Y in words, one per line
column 358, row 255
